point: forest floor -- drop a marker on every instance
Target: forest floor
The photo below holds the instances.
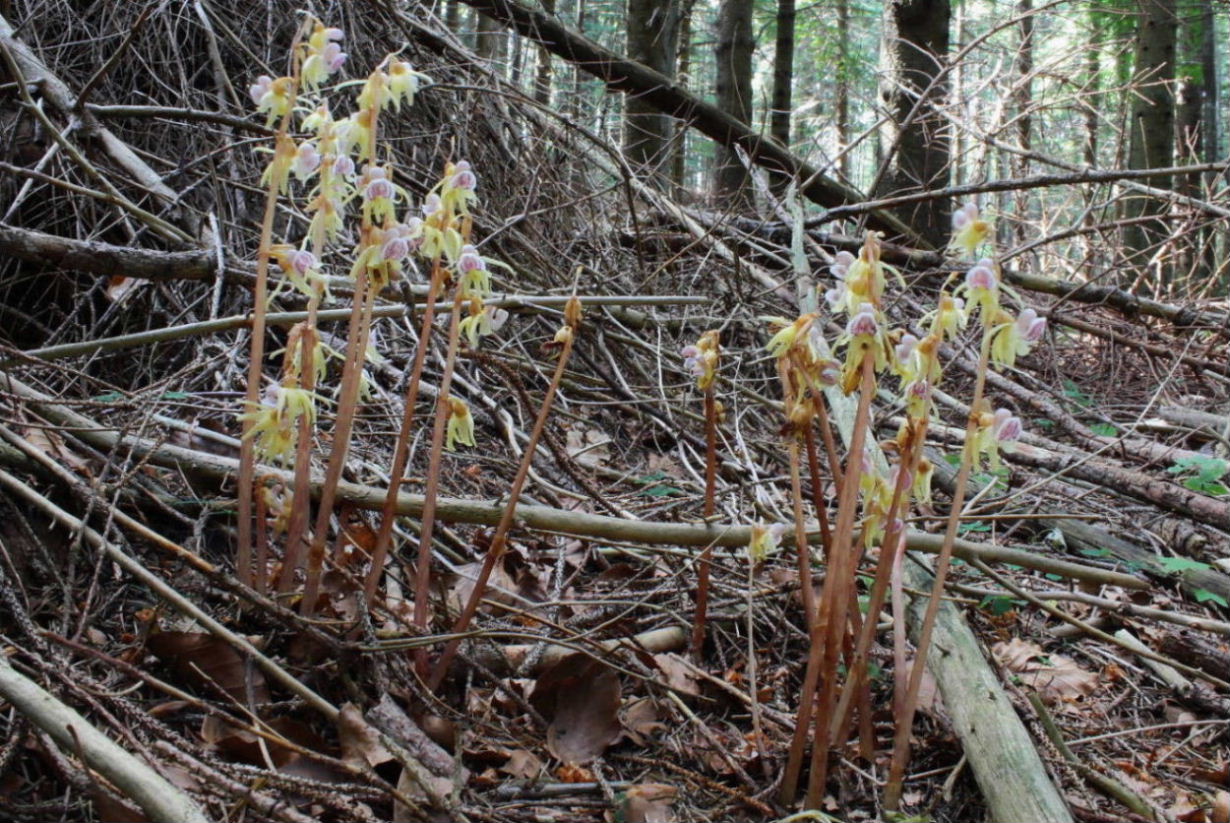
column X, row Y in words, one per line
column 575, row 695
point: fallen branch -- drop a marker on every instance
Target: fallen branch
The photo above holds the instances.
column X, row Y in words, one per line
column 1005, row 762
column 155, row 795
column 57, row 92
column 539, row 518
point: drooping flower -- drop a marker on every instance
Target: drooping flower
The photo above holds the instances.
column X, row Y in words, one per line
column 275, row 423
column 324, row 56
column 379, row 195
column 763, row 541
column 272, row 96
column 982, row 286
column 307, row 161
column 949, row 317
column 701, row 360
column 865, row 336
column 300, row 266
column 404, row 82
column 460, row 425
column 996, row 432
column 459, row 187
column 1014, row 338
column 481, row 322
column 277, row 173
column 473, row 269
column 969, row 229
column 300, row 335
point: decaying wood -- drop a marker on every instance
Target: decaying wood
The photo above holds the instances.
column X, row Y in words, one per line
column 1001, row 753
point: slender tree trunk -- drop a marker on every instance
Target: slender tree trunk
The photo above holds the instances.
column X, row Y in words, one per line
column 542, row 81
column 783, row 74
column 735, row 44
column 490, row 39
column 653, row 39
column 1195, row 259
column 914, row 48
column 684, row 78
column 1209, row 80
column 844, row 136
column 1093, row 82
column 959, row 139
column 1023, row 101
column 452, row 16
column 1151, row 124
column 516, row 62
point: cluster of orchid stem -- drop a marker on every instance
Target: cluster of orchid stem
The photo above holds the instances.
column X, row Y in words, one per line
column 702, row 361
column 442, row 236
column 837, row 630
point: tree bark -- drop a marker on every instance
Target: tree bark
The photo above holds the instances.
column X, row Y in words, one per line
column 653, row 41
column 489, row 39
column 844, row 136
column 1209, row 80
column 783, row 73
column 1151, row 124
column 912, row 55
column 1024, row 102
column 684, row 78
column 542, row 81
column 731, row 180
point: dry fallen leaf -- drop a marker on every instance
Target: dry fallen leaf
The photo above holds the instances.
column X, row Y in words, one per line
column 360, row 742
column 588, row 446
column 640, row 720
column 1056, row 678
column 649, row 803
column 522, row 765
column 580, row 696
column 1220, row 813
column 679, row 675
column 207, row 661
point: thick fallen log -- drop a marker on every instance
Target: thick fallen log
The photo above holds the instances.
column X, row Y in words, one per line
column 1001, row 753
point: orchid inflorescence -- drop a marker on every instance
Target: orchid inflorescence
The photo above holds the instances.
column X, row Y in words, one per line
column 857, row 294
column 393, row 232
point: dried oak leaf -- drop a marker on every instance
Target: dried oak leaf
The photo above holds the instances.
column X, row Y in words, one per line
column 206, row 661
column 580, row 696
column 1056, row 677
column 360, row 742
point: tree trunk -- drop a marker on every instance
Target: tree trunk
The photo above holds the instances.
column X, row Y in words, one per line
column 489, row 39
column 684, row 79
column 542, row 81
column 915, row 46
column 452, row 16
column 1151, row 124
column 653, row 40
column 783, row 74
column 1023, row 102
column 844, row 137
column 1209, row 79
column 731, row 180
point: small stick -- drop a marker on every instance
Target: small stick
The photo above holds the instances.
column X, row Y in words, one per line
column 500, row 539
